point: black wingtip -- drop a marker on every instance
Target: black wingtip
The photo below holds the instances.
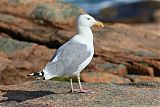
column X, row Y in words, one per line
column 36, row 74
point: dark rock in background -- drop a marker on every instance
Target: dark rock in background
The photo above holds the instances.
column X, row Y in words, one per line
column 126, row 11
column 137, row 12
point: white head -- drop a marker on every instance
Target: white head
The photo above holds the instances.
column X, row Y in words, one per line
column 88, row 21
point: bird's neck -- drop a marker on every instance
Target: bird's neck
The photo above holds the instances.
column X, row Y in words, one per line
column 85, row 31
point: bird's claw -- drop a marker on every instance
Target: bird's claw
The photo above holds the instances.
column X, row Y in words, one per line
column 80, row 91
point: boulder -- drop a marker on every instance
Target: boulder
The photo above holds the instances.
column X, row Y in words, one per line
column 103, row 77
column 41, row 21
column 120, row 49
column 21, row 58
column 134, row 47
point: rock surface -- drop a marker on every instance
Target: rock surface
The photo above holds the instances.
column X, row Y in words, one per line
column 50, row 93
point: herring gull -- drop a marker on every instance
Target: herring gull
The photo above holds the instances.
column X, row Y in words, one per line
column 73, row 56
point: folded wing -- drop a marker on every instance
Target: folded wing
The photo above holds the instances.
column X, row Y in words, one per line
column 66, row 60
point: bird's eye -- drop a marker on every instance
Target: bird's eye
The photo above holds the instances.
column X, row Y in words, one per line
column 88, row 18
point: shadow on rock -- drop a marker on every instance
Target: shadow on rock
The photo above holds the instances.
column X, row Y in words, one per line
column 21, row 95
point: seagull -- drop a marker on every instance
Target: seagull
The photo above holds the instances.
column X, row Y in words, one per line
column 73, row 56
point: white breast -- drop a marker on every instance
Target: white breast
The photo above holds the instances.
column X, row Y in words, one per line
column 90, row 48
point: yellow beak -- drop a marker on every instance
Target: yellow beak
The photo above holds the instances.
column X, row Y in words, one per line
column 100, row 24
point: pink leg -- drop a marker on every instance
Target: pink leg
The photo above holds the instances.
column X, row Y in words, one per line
column 73, row 90
column 80, row 86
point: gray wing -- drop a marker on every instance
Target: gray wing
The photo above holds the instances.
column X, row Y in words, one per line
column 69, row 57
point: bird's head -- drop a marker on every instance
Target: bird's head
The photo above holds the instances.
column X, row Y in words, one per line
column 88, row 21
